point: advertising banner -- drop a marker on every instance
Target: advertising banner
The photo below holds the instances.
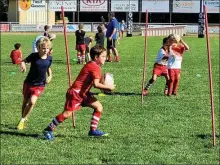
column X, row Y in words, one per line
column 23, row 28
column 31, row 5
column 69, row 5
column 94, row 5
column 213, row 6
column 123, row 6
column 4, row 27
column 155, row 6
column 183, row 6
column 71, row 28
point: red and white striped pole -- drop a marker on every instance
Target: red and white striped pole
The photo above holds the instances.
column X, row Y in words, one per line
column 67, row 59
column 145, row 57
column 210, row 76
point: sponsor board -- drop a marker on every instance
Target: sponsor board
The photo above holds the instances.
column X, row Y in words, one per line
column 123, row 6
column 68, row 5
column 155, row 6
column 23, row 28
column 93, row 5
column 4, row 27
column 70, row 28
column 213, row 6
column 32, row 5
column 183, row 6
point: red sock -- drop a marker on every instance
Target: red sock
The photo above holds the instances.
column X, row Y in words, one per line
column 95, row 120
column 117, row 58
column 55, row 122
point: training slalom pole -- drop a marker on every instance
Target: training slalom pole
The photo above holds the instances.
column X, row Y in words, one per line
column 145, row 58
column 67, row 59
column 210, row 76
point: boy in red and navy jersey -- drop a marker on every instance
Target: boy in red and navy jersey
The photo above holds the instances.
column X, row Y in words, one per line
column 160, row 67
column 36, row 79
column 79, row 94
column 16, row 54
column 80, row 45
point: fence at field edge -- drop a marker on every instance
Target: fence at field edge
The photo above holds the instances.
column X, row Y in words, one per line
column 92, row 27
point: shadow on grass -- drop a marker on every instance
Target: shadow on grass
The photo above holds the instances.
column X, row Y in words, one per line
column 206, row 136
column 130, row 94
column 121, row 94
column 20, row 134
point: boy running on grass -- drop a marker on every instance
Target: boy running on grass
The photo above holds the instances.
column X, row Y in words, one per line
column 174, row 62
column 36, row 79
column 79, row 94
column 160, row 67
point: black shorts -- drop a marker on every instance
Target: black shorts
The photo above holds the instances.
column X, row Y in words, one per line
column 111, row 44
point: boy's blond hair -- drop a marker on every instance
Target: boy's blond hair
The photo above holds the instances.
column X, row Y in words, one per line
column 42, row 41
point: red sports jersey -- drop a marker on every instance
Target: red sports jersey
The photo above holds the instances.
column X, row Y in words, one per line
column 85, row 79
column 178, row 49
column 16, row 56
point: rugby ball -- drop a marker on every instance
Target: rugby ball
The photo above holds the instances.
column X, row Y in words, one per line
column 177, row 37
column 52, row 36
column 107, row 79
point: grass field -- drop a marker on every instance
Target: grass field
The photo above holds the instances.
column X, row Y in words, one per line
column 164, row 130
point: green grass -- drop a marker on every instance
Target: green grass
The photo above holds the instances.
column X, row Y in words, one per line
column 164, row 130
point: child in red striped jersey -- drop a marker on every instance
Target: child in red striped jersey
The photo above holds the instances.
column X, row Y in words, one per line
column 79, row 94
column 160, row 67
column 174, row 62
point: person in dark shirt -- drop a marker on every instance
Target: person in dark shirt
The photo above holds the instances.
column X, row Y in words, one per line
column 80, row 45
column 88, row 42
column 46, row 31
column 36, row 79
column 100, row 35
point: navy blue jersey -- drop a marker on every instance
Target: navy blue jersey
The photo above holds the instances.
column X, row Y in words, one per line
column 38, row 69
column 80, row 34
column 100, row 38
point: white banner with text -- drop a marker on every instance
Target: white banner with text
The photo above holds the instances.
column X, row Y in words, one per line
column 94, row 5
column 123, row 6
column 155, row 6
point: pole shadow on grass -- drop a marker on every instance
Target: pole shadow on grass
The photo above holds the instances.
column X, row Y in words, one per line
column 121, row 94
column 207, row 137
column 130, row 94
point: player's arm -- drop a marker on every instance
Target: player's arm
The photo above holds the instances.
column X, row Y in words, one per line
column 49, row 74
column 103, row 21
column 97, row 84
column 25, row 61
column 184, row 44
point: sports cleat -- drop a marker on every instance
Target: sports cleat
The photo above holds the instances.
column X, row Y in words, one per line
column 145, row 92
column 48, row 135
column 174, row 93
column 165, row 92
column 20, row 125
column 97, row 133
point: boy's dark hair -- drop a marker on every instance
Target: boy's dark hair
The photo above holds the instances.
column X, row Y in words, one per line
column 96, row 51
column 46, row 27
column 17, row 46
column 165, row 40
column 112, row 14
column 99, row 28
